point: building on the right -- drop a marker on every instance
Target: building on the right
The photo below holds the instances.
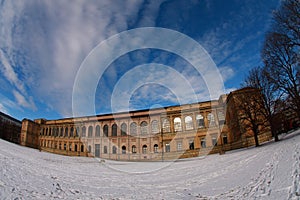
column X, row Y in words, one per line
column 247, row 117
column 285, row 118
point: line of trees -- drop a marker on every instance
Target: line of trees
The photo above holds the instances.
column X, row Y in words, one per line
column 279, row 78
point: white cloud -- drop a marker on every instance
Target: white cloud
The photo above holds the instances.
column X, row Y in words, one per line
column 180, row 88
column 56, row 36
column 23, row 102
column 8, row 105
column 3, row 109
column 226, row 72
column 150, row 12
column 9, row 72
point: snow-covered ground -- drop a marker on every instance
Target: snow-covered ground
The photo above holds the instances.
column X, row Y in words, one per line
column 268, row 172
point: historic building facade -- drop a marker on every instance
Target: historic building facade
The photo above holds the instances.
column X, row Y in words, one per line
column 163, row 133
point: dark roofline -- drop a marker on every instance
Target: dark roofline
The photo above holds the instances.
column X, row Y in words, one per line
column 10, row 117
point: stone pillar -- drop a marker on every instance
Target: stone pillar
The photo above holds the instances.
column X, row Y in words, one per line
column 206, row 125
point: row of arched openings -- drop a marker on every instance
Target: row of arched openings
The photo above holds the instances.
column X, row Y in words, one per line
column 133, row 127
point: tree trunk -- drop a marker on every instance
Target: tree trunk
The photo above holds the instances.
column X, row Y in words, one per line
column 276, row 137
column 256, row 139
column 274, row 133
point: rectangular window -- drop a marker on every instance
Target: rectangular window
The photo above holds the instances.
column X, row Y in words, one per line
column 191, row 145
column 114, row 150
column 225, row 141
column 168, row 148
column 221, row 117
column 97, row 150
column 133, row 149
column 179, row 146
column 214, row 141
column 105, row 150
column 203, row 143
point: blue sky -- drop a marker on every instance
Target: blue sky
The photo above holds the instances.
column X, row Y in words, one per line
column 44, row 43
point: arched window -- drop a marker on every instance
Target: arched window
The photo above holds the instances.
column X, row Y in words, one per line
column 54, row 132
column 200, row 121
column 123, row 129
column 46, row 131
column 154, row 126
column 83, row 132
column 188, row 120
column 82, row 148
column 177, row 124
column 77, row 132
column 114, row 129
column 114, row 150
column 75, row 147
column 66, row 132
column 97, row 131
column 72, row 132
column 105, row 130
column 133, row 149
column 105, row 149
column 144, row 128
column 211, row 120
column 166, row 125
column 123, row 149
column 61, row 132
column 144, row 149
column 90, row 132
column 155, row 148
column 133, row 127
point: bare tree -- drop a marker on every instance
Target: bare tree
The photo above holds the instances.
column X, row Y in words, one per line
column 287, row 21
column 251, row 112
column 281, row 52
column 258, row 78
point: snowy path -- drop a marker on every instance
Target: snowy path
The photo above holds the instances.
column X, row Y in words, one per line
column 268, row 172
